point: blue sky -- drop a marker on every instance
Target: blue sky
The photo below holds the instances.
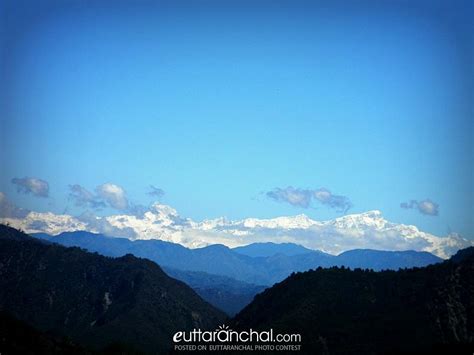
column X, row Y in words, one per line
column 218, row 105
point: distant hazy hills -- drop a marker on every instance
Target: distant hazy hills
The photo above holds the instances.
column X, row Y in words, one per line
column 270, row 249
column 341, row 311
column 223, row 292
column 93, row 299
column 260, row 264
column 385, row 260
column 230, row 278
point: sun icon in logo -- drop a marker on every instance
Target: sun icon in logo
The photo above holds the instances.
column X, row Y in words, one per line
column 222, row 327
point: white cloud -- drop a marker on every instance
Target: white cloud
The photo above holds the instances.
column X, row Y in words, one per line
column 10, row 210
column 106, row 195
column 426, row 207
column 156, row 191
column 291, row 195
column 303, row 197
column 29, row 185
column 338, row 202
column 84, row 198
column 113, row 195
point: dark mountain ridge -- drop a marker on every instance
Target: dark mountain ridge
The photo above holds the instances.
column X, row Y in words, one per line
column 385, row 260
column 342, row 311
column 17, row 337
column 96, row 300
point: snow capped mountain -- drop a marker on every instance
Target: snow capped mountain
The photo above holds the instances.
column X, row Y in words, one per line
column 158, row 219
column 367, row 230
column 50, row 223
column 243, row 226
column 367, row 219
column 296, row 222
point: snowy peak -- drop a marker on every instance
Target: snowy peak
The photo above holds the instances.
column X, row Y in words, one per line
column 46, row 222
column 209, row 224
column 163, row 210
column 372, row 219
column 291, row 222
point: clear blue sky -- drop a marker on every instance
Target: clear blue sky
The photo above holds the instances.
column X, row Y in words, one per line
column 218, row 104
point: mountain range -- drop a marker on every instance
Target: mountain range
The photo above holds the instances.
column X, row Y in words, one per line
column 230, row 278
column 279, row 262
column 56, row 299
column 369, row 230
column 270, row 249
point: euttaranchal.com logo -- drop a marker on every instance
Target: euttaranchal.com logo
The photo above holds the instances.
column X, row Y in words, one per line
column 223, row 338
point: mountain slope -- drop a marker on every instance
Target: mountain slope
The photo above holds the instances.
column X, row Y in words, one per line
column 93, row 299
column 19, row 338
column 270, row 249
column 339, row 311
column 224, row 260
column 223, row 292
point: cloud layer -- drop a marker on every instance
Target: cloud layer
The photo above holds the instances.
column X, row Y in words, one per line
column 113, row 195
column 84, row 198
column 9, row 210
column 293, row 196
column 106, row 195
column 426, row 207
column 29, row 185
column 303, row 198
column 156, row 192
column 338, row 202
